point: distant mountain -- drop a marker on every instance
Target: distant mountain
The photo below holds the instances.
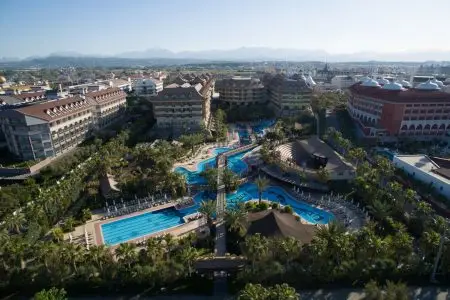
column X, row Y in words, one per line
column 89, row 62
column 160, row 56
column 264, row 53
column 240, row 54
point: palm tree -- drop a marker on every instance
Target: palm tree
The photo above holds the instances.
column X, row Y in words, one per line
column 255, row 247
column 397, row 291
column 253, row 292
column 372, row 291
column 154, row 250
column 170, row 242
column 288, row 248
column 73, row 254
column 323, row 175
column 126, row 253
column 86, row 214
column 69, row 224
column 99, row 255
column 51, row 294
column 208, row 209
column 14, row 222
column 261, row 184
column 187, row 256
column 236, row 218
column 57, row 234
column 357, row 154
column 379, row 209
column 283, row 291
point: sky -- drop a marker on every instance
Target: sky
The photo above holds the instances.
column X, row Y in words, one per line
column 109, row 27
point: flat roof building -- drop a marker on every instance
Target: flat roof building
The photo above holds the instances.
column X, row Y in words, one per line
column 429, row 170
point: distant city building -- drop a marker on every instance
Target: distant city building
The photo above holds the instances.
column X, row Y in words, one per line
column 147, row 87
column 432, row 171
column 54, row 127
column 241, row 91
column 342, row 82
column 289, row 96
column 395, row 109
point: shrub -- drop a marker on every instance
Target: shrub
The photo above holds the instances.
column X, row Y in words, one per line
column 297, row 218
column 263, row 206
column 287, row 209
column 275, row 205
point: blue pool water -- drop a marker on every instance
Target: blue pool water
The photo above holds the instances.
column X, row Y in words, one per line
column 134, row 227
column 235, row 163
column 261, row 126
column 137, row 226
column 249, row 191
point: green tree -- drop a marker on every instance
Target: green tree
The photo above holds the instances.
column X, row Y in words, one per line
column 14, row 222
column 396, row 291
column 372, row 291
column 261, row 183
column 208, row 209
column 253, row 292
column 86, row 214
column 236, row 219
column 230, row 180
column 211, row 178
column 323, row 175
column 284, row 292
column 57, row 234
column 126, row 253
column 51, row 294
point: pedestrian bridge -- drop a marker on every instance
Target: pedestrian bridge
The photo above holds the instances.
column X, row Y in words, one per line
column 220, row 263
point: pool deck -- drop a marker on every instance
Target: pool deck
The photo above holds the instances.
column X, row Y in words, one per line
column 93, row 227
column 98, row 236
column 176, row 231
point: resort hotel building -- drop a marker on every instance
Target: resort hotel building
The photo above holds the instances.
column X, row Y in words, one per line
column 183, row 108
column 392, row 109
column 241, row 91
column 289, row 96
column 51, row 128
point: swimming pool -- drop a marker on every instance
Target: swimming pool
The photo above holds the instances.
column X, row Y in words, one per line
column 137, row 226
column 235, row 164
column 141, row 225
column 260, row 127
column 249, row 191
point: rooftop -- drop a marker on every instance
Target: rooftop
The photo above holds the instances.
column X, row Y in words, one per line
column 56, row 109
column 400, row 96
column 427, row 165
column 272, row 223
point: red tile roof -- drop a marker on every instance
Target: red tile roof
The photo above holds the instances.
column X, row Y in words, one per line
column 24, row 96
column 106, row 95
column 403, row 96
column 63, row 107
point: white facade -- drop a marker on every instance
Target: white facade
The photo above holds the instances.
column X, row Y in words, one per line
column 147, row 87
column 342, row 81
column 421, row 167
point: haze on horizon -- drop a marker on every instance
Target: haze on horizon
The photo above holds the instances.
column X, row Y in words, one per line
column 102, row 27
